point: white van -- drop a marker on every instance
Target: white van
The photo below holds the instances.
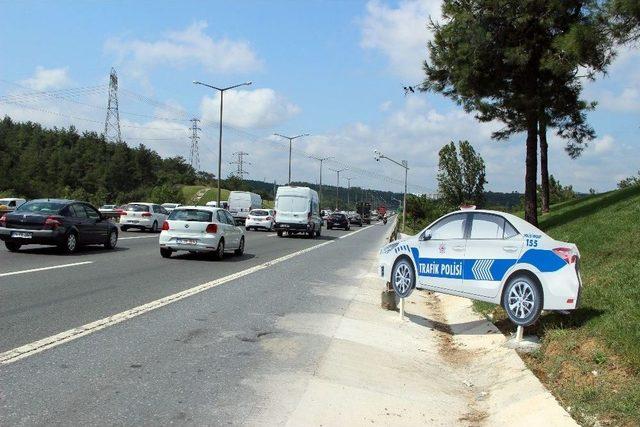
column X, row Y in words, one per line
column 241, row 203
column 297, row 211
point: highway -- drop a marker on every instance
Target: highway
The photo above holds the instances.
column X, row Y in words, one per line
column 197, row 360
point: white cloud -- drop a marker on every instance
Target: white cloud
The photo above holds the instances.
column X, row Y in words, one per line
column 400, row 33
column 48, row 78
column 626, row 101
column 603, row 145
column 260, row 108
column 186, row 47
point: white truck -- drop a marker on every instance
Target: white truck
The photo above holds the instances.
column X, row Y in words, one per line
column 297, row 212
column 241, row 203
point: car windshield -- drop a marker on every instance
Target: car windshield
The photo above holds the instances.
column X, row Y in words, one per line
column 292, row 204
column 44, row 207
column 259, row 213
column 195, row 215
column 132, row 207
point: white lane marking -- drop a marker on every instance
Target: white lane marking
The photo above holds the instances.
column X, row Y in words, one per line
column 138, row 237
column 53, row 267
column 271, row 235
column 354, row 232
column 75, row 333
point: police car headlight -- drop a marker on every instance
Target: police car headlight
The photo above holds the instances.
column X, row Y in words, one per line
column 388, row 248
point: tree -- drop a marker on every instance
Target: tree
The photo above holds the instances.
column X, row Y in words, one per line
column 461, row 175
column 629, row 181
column 623, row 17
column 502, row 58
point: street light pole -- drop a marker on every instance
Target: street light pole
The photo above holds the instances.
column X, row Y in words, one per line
column 404, row 164
column 337, row 171
column 349, row 191
column 320, row 159
column 290, row 138
column 222, row 91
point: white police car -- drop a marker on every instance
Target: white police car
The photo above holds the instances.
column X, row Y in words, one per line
column 489, row 256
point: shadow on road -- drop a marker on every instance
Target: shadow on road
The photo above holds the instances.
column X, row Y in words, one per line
column 475, row 327
column 82, row 250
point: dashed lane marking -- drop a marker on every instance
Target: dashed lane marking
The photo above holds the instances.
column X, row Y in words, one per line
column 53, row 267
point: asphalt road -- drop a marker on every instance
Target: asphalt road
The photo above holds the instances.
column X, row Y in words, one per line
column 211, row 358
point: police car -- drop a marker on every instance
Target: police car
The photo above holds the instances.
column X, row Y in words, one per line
column 489, row 256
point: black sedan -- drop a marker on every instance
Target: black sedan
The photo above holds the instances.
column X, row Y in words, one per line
column 355, row 219
column 63, row 223
column 338, row 220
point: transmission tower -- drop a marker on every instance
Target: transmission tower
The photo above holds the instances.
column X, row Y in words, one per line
column 112, row 123
column 240, row 163
column 194, row 155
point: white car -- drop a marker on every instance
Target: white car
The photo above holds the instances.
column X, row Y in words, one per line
column 260, row 218
column 201, row 229
column 223, row 204
column 169, row 207
column 11, row 203
column 144, row 216
column 489, row 256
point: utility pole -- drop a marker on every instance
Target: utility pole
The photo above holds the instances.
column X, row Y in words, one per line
column 194, row 155
column 320, row 159
column 240, row 163
column 404, row 164
column 222, row 91
column 112, row 122
column 290, row 138
column 337, row 171
column 348, row 190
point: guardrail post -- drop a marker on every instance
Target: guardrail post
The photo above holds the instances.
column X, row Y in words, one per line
column 402, row 308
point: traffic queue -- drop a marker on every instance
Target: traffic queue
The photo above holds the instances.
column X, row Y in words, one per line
column 70, row 224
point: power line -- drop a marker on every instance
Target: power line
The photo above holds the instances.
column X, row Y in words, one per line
column 194, row 155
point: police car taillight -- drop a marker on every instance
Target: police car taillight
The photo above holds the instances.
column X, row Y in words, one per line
column 566, row 254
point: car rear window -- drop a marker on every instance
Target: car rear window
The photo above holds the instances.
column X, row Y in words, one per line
column 195, row 215
column 259, row 213
column 132, row 207
column 41, row 207
column 337, row 216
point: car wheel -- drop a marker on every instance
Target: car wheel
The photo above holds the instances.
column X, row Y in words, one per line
column 311, row 234
column 165, row 252
column 240, row 249
column 348, row 228
column 280, row 233
column 112, row 241
column 522, row 300
column 123, row 228
column 329, row 227
column 403, row 278
column 70, row 244
column 319, row 232
column 219, row 253
column 154, row 227
column 12, row 246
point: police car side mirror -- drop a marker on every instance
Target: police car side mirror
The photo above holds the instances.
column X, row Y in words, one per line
column 426, row 235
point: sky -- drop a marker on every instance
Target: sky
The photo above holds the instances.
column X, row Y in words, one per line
column 332, row 69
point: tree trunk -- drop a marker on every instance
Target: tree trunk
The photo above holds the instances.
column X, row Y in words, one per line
column 531, row 172
column 544, row 166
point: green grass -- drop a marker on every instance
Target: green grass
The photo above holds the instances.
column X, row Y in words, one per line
column 189, row 191
column 603, row 335
column 212, row 195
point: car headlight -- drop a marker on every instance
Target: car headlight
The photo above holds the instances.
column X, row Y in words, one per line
column 388, row 248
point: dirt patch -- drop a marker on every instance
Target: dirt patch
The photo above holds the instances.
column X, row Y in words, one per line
column 447, row 346
column 474, row 417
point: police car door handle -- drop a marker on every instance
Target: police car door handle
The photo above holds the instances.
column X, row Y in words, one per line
column 458, row 248
column 510, row 248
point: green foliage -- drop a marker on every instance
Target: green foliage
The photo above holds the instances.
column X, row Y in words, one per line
column 517, row 61
column 461, row 175
column 557, row 192
column 630, row 181
column 166, row 194
column 38, row 162
column 623, row 17
column 421, row 211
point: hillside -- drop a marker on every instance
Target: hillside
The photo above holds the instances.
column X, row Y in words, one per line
column 590, row 359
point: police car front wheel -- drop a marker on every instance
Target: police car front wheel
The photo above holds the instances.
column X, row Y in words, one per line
column 522, row 300
column 403, row 278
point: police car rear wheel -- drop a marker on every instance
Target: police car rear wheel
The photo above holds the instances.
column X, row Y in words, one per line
column 522, row 301
column 403, row 278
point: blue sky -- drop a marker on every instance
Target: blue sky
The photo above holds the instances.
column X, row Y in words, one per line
column 334, row 69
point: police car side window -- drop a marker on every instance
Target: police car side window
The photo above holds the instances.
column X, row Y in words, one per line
column 451, row 227
column 486, row 226
column 509, row 231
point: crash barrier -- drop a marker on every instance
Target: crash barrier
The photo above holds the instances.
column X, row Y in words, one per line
column 388, row 296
